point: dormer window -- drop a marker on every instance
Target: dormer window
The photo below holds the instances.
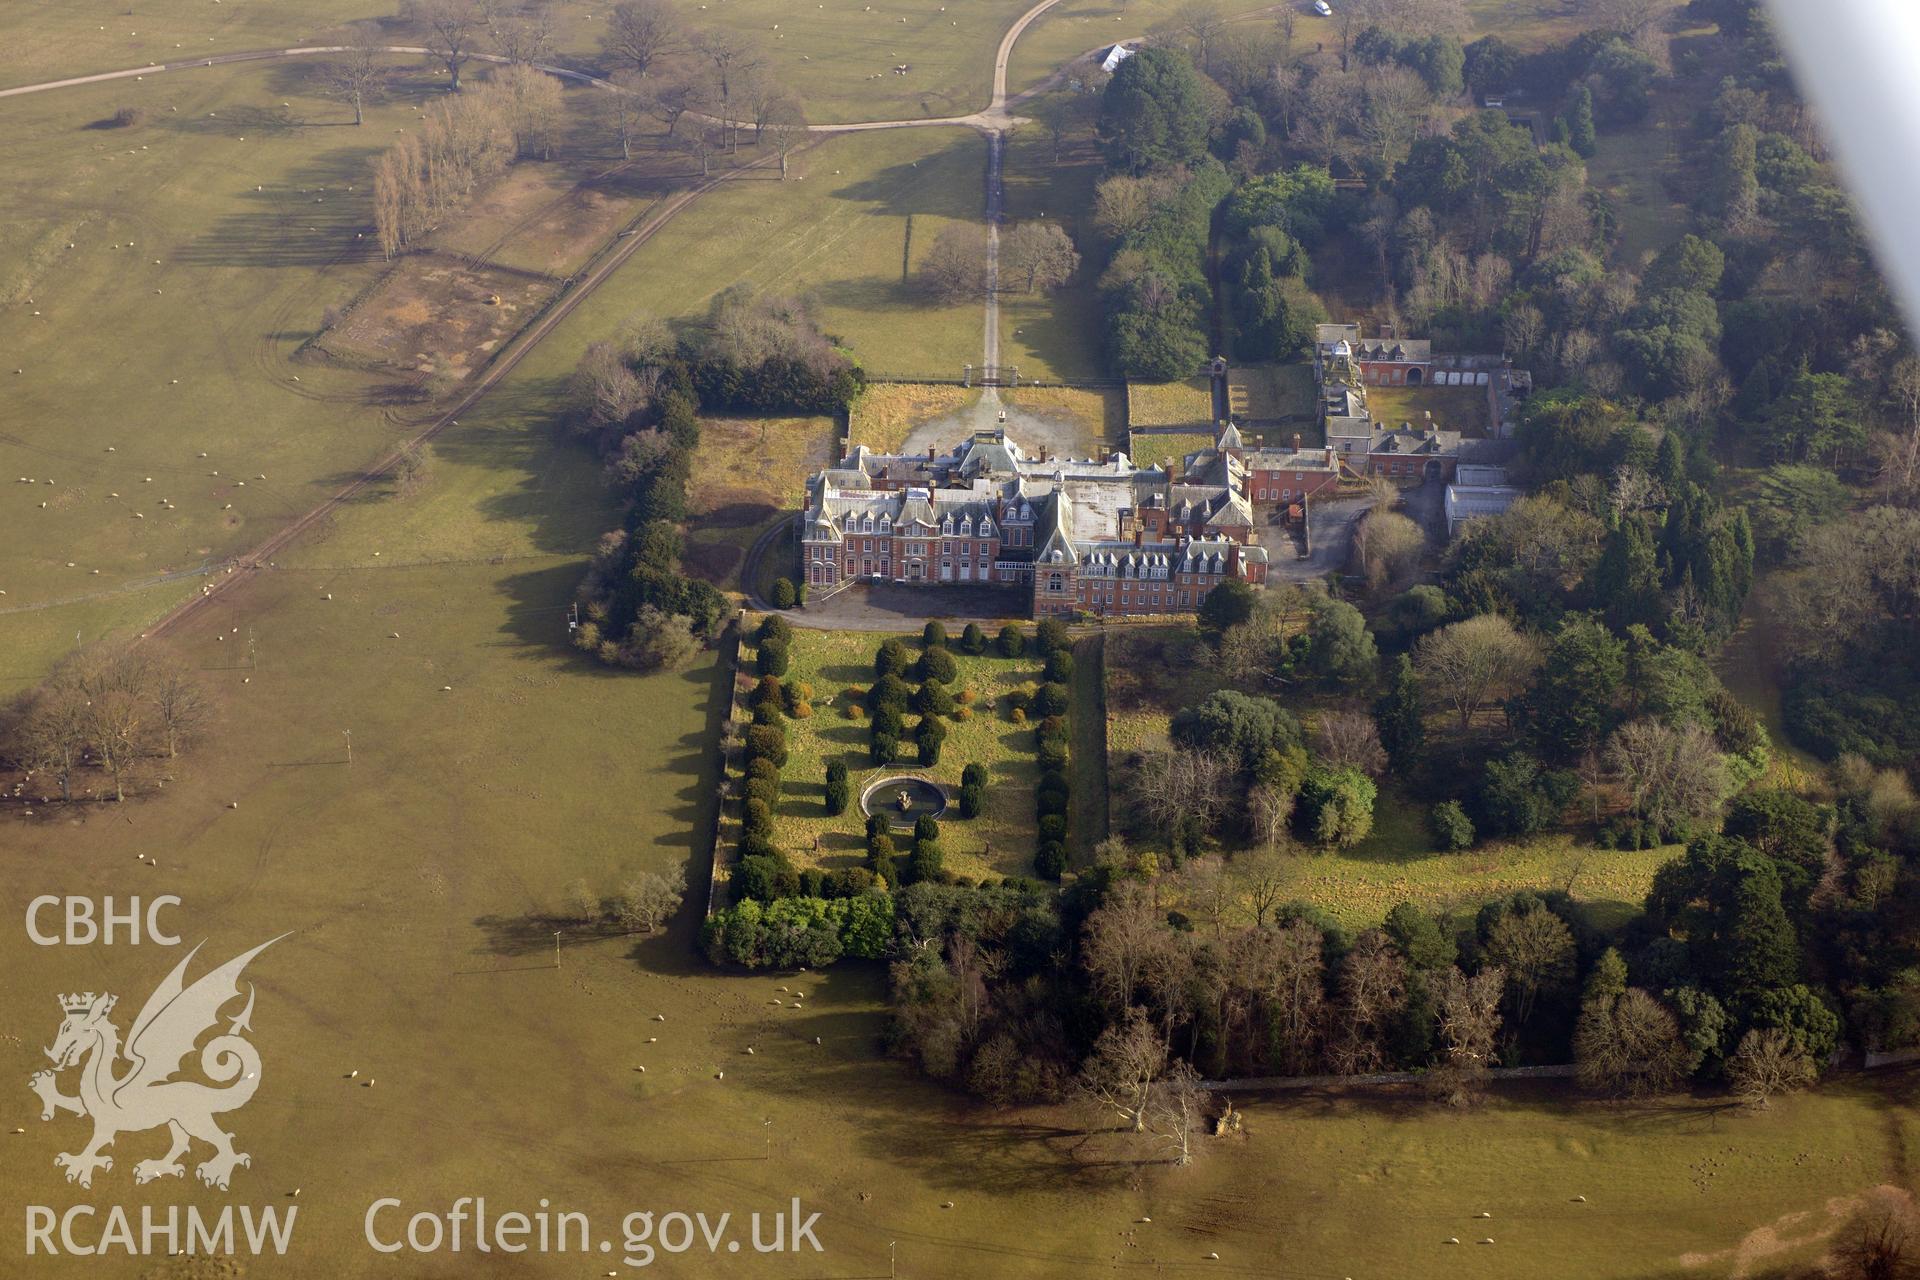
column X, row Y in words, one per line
column 946, row 526
column 886, row 524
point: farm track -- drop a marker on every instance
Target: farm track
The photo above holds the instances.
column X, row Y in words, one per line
column 994, row 121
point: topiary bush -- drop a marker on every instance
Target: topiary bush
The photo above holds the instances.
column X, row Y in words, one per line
column 839, row 791
column 772, row 658
column 1051, row 862
column 767, row 742
column 933, row 700
column 773, row 627
column 883, row 747
column 1012, row 642
column 889, row 691
column 892, row 658
column 783, row 594
column 926, row 863
column 765, row 689
column 938, row 664
column 1054, row 699
column 930, row 735
column 1052, row 637
column 933, row 636
column 1060, row 665
column 973, row 640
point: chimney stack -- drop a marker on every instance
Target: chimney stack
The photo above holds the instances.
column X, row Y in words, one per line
column 1296, row 442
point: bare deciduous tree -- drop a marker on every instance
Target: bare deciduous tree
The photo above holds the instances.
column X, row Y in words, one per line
column 355, row 75
column 669, row 97
column 533, row 104
column 520, row 33
column 1172, row 786
column 1176, row 1106
column 1629, row 1044
column 1881, row 1241
column 182, row 709
column 1674, row 775
column 1119, row 1076
column 606, row 391
column 1469, row 1029
column 955, row 266
column 1768, row 1061
column 626, row 109
column 1535, row 948
column 1372, row 988
column 1041, row 254
column 1388, row 546
column 701, row 141
column 450, row 29
column 640, row 33
column 1350, row 739
column 1298, row 997
column 1471, row 663
column 1123, row 939
column 785, row 122
column 649, row 900
column 735, row 57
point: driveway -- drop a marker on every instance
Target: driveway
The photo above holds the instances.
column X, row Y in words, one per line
column 1332, row 524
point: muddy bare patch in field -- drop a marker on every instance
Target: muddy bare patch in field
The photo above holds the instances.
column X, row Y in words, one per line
column 436, row 317
column 538, row 218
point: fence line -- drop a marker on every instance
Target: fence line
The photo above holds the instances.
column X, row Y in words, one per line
column 1557, row 1071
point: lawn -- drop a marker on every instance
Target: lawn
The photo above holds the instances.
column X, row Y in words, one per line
column 837, row 57
column 747, row 474
column 1165, row 448
column 845, row 232
column 206, row 245
column 1074, row 27
column 1462, row 409
column 1171, row 404
column 1097, row 417
column 1529, row 24
column 887, row 412
column 834, row 664
column 1059, row 335
column 1637, row 169
column 1270, row 393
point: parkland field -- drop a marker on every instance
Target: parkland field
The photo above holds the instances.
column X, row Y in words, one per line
column 409, row 767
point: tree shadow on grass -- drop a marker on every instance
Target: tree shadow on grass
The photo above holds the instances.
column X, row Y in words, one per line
column 293, row 222
column 947, row 184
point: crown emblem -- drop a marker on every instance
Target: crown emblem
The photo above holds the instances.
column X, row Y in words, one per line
column 81, row 1003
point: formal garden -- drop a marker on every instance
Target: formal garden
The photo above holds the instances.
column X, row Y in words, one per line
column 981, row 716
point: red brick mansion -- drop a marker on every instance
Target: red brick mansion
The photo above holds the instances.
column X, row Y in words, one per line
column 1083, row 535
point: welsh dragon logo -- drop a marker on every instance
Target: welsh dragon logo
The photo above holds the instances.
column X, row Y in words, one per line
column 144, row 1094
